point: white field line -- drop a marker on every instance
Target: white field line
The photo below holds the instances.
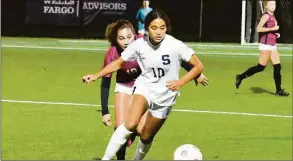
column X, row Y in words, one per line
column 104, row 49
column 177, row 110
column 51, row 47
column 207, row 44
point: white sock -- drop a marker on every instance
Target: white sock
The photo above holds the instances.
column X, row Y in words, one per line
column 141, row 150
column 118, row 139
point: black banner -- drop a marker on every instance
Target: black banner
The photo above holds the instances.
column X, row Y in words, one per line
column 107, row 11
column 79, row 12
column 55, row 12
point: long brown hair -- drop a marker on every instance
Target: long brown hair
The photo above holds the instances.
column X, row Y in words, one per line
column 112, row 30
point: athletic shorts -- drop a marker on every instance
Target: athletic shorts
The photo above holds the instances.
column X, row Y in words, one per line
column 123, row 89
column 155, row 110
column 267, row 47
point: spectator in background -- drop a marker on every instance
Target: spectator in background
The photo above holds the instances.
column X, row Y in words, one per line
column 141, row 14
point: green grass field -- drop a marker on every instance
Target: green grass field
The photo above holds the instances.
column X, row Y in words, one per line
column 41, row 72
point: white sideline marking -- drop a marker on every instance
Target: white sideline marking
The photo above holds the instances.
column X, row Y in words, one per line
column 101, row 49
column 49, row 47
column 188, row 43
column 177, row 110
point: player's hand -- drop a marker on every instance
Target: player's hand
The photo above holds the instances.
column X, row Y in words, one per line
column 275, row 28
column 89, row 78
column 174, row 85
column 202, row 79
column 278, row 35
column 106, row 119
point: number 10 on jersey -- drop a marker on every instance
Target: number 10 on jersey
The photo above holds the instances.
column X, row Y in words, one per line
column 159, row 72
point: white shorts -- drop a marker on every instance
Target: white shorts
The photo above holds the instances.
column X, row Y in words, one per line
column 267, row 47
column 123, row 89
column 155, row 110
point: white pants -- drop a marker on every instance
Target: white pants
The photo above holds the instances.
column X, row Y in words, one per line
column 267, row 47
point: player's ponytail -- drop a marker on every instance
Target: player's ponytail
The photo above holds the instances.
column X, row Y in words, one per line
column 109, row 30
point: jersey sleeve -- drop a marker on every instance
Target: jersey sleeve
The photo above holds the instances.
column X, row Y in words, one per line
column 185, row 52
column 130, row 54
column 108, row 59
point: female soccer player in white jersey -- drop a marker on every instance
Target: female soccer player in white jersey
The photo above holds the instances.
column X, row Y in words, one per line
column 159, row 56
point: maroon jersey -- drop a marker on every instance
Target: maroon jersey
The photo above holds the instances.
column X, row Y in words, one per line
column 269, row 38
column 128, row 72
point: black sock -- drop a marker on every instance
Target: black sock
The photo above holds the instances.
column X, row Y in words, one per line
column 132, row 136
column 251, row 71
column 277, row 76
column 122, row 152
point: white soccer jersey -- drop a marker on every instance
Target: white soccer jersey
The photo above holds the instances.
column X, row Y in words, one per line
column 158, row 64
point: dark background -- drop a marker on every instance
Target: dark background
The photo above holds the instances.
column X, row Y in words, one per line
column 221, row 21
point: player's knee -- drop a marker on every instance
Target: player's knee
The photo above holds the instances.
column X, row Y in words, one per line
column 146, row 139
column 260, row 67
column 119, row 121
column 131, row 125
column 277, row 67
column 138, row 130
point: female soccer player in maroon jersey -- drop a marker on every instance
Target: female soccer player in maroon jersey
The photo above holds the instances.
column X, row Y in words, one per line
column 268, row 28
column 120, row 34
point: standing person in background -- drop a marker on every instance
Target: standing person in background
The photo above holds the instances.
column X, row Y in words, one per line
column 268, row 28
column 141, row 14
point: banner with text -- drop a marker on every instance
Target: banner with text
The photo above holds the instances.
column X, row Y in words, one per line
column 55, row 12
column 79, row 12
column 107, row 11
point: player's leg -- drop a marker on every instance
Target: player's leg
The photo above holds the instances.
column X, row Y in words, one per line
column 121, row 110
column 263, row 59
column 141, row 123
column 275, row 59
column 137, row 109
column 155, row 120
column 138, row 129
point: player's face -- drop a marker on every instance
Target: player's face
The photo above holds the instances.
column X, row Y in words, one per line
column 125, row 36
column 271, row 6
column 157, row 30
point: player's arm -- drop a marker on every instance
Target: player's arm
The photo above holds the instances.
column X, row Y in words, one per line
column 110, row 68
column 127, row 55
column 195, row 70
column 105, row 90
column 106, row 81
column 263, row 20
column 138, row 16
column 188, row 67
column 199, row 78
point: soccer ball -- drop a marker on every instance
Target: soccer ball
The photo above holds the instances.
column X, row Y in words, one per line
column 187, row 152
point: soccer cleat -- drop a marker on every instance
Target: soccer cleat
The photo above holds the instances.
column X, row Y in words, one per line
column 238, row 81
column 282, row 93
